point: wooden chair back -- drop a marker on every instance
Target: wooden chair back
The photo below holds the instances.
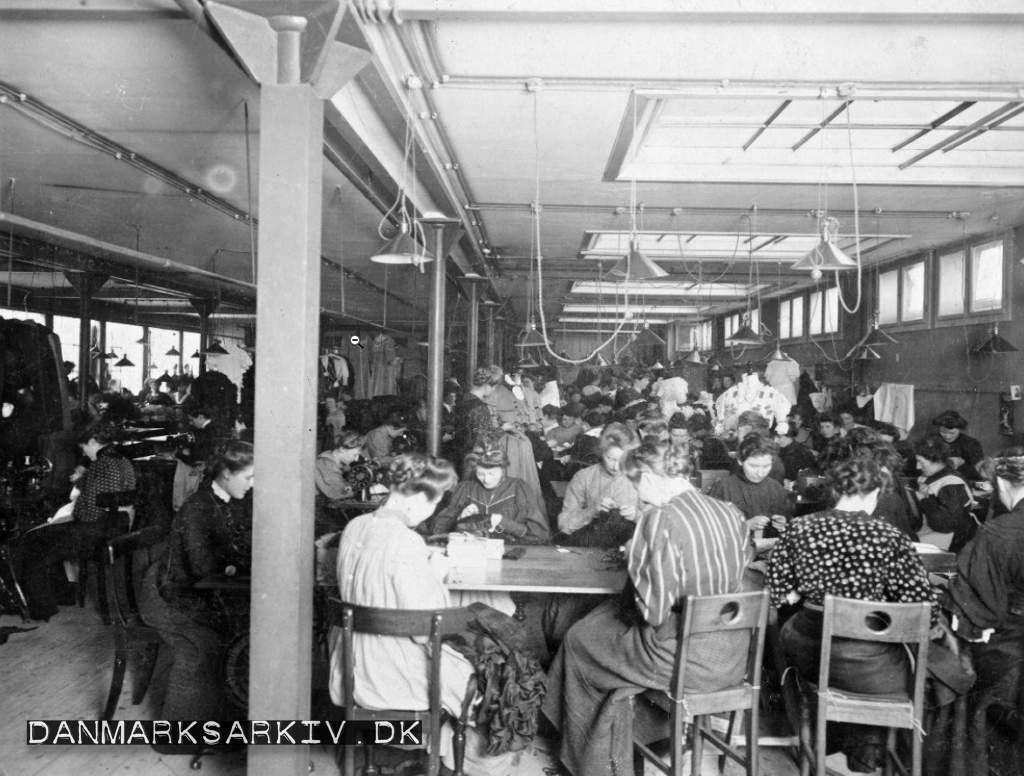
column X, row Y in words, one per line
column 428, row 624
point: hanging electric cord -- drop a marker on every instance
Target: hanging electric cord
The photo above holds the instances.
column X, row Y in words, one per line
column 10, row 249
column 399, row 210
column 856, row 223
column 539, row 255
column 992, row 360
column 248, row 186
column 700, row 262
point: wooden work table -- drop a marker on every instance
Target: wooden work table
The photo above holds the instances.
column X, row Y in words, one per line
column 543, row 570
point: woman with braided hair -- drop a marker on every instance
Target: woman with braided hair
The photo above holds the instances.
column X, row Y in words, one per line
column 986, row 598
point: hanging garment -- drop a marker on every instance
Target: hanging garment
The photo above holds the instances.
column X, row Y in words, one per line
column 782, row 376
column 673, row 392
column 215, row 391
column 359, row 369
column 384, row 367
column 894, row 403
column 751, row 394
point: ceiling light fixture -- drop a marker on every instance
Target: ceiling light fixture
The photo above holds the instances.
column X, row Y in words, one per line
column 694, row 357
column 635, row 266
column 173, row 352
column 745, row 335
column 215, row 349
column 826, row 256
column 125, row 361
column 867, row 353
column 646, row 337
column 402, row 249
column 995, row 344
column 532, row 339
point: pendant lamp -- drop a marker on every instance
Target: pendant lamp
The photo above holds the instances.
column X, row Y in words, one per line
column 826, row 255
column 996, row 344
column 527, row 362
column 215, row 349
column 877, row 337
column 635, row 266
column 174, row 352
column 693, row 357
column 402, row 249
column 777, row 354
column 601, row 360
column 745, row 336
column 648, row 337
column 125, row 361
column 197, row 354
column 533, row 339
column 867, row 353
column 657, row 365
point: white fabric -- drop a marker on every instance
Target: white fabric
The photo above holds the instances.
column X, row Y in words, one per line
column 672, row 391
column 782, row 376
column 751, row 394
column 894, row 403
column 549, row 394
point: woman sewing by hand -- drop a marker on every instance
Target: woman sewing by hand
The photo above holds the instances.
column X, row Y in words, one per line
column 490, row 503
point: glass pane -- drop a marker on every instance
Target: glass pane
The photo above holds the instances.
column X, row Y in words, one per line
column 191, row 340
column 888, row 297
column 161, row 341
column 798, row 317
column 66, row 329
column 785, row 312
column 121, row 340
column 20, row 315
column 912, row 308
column 831, row 311
column 987, row 277
column 815, row 308
column 755, row 320
column 951, row 284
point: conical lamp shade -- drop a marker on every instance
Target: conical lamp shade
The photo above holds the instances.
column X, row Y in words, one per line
column 402, row 249
column 143, row 340
column 111, row 354
column 693, row 357
column 173, row 352
column 125, row 361
column 996, row 344
column 657, row 365
column 876, row 337
column 777, row 354
column 197, row 354
column 745, row 336
column 635, row 266
column 527, row 362
column 601, row 360
column 648, row 337
column 825, row 257
column 215, row 349
column 533, row 339
column 868, row 354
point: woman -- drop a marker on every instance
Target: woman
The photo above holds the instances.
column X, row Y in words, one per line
column 383, row 562
column 965, row 452
column 658, row 470
column 693, row 545
column 986, row 598
column 334, row 421
column 798, row 428
column 331, row 482
column 211, row 533
column 491, row 503
column 42, row 549
column 472, row 419
column 765, row 504
column 893, row 505
column 844, row 552
column 944, row 498
column 514, row 418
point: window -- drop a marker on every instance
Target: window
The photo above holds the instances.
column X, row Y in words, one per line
column 20, row 315
column 122, row 341
column 952, row 283
column 823, row 307
column 703, row 341
column 791, row 318
column 161, row 341
column 901, row 294
column 987, row 277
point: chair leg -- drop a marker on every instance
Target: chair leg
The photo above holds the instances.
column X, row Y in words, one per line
column 698, row 746
column 916, row 748
column 116, row 681
column 83, row 581
column 370, row 768
column 753, row 747
column 459, row 746
column 819, row 738
column 149, row 656
column 890, row 752
column 804, row 737
column 728, row 739
column 101, row 592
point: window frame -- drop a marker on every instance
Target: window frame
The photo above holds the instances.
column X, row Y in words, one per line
column 824, row 290
column 929, row 291
column 790, row 300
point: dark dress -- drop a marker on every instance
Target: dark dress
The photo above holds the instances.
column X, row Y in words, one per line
column 795, row 458
column 946, row 509
column 207, row 535
column 42, row 549
column 851, row 555
column 767, row 497
column 988, row 593
column 969, row 449
column 522, row 520
column 471, row 419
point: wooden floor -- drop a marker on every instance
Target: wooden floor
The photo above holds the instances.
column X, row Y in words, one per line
column 61, row 670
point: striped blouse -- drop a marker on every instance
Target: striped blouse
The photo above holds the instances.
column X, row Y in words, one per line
column 694, row 545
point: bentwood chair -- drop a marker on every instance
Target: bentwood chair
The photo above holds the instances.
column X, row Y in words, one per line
column 847, row 618
column 116, row 521
column 129, row 630
column 426, row 624
column 713, row 614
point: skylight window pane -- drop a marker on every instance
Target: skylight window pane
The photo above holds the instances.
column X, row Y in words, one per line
column 951, row 284
column 912, row 308
column 987, row 277
column 815, row 301
column 888, row 297
column 13, row 314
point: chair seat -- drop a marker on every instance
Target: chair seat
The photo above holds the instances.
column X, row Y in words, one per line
column 889, row 710
column 732, row 698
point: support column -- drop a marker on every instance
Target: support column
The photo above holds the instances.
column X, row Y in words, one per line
column 287, row 335
column 205, row 308
column 490, row 337
column 86, row 284
column 473, row 332
column 435, row 349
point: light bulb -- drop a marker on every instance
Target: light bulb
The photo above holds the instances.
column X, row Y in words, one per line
column 815, row 274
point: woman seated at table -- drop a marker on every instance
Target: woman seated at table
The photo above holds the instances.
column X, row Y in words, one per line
column 965, row 452
column 600, row 503
column 42, row 549
column 210, row 534
column 753, row 422
column 692, row 545
column 844, row 552
column 490, row 503
column 331, row 482
column 765, row 504
column 893, row 505
column 383, row 562
column 659, row 470
column 986, row 598
column 944, row 498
